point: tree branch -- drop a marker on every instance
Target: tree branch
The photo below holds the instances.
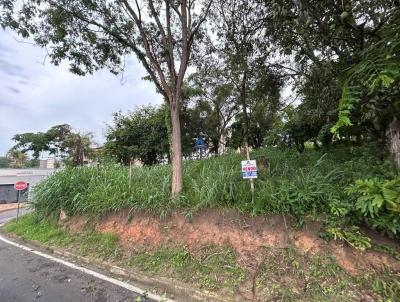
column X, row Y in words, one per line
column 149, row 52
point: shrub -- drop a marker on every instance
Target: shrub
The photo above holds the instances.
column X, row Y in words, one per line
column 378, row 201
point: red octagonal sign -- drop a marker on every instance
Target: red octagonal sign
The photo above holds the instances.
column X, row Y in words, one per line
column 20, row 185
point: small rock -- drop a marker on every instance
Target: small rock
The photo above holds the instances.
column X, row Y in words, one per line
column 38, row 295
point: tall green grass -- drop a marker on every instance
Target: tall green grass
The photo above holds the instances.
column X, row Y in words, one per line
column 293, row 183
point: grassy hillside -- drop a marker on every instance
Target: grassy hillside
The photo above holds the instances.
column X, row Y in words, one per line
column 289, row 182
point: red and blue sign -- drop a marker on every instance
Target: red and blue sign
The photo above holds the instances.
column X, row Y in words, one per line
column 249, row 169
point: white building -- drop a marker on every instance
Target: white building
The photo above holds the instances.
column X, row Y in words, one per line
column 8, row 177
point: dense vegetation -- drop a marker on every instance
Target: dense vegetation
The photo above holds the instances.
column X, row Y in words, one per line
column 311, row 183
column 339, row 58
column 323, row 151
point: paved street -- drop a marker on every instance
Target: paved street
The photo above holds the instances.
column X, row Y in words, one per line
column 25, row 276
column 8, row 215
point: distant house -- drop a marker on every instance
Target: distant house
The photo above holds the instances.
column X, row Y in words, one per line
column 8, row 177
column 49, row 163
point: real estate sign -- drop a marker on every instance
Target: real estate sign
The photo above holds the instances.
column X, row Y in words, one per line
column 249, row 169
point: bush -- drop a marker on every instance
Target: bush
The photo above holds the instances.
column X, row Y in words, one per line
column 378, row 201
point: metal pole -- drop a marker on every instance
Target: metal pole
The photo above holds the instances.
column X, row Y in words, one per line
column 18, row 204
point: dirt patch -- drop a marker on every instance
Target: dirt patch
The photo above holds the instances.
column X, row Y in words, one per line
column 76, row 224
column 308, row 242
column 247, row 235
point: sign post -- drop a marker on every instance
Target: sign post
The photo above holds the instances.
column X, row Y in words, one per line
column 19, row 186
column 249, row 171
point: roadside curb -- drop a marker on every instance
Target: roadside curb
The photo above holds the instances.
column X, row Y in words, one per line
column 179, row 290
column 12, row 209
column 176, row 290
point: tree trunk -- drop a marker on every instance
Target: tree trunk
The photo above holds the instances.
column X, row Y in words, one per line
column 245, row 116
column 222, row 137
column 169, row 131
column 221, row 143
column 394, row 140
column 177, row 164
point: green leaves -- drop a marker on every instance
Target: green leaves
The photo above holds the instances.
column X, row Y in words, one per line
column 351, row 235
column 379, row 202
column 371, row 93
column 140, row 134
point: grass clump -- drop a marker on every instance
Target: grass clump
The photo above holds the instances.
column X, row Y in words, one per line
column 213, row 268
column 30, row 227
column 286, row 275
column 90, row 243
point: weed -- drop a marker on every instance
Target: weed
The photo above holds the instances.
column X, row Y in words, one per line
column 385, row 285
column 351, row 235
column 102, row 245
column 105, row 245
column 286, row 275
column 378, row 201
column 387, row 249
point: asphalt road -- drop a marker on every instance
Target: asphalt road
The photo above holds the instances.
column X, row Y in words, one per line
column 8, row 215
column 25, row 276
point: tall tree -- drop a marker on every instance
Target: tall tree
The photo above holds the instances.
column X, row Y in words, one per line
column 324, row 39
column 371, row 92
column 241, row 42
column 50, row 141
column 78, row 147
column 216, row 100
column 94, row 34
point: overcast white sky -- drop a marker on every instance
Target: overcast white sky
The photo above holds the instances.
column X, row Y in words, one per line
column 34, row 97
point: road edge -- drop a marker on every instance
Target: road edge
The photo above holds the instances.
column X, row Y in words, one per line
column 177, row 290
column 22, row 205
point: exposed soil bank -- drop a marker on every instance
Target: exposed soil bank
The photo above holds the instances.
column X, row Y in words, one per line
column 248, row 236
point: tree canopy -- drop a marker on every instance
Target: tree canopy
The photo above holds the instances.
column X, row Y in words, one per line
column 60, row 141
column 141, row 134
column 263, row 72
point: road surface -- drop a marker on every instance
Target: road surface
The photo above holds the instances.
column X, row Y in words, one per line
column 8, row 215
column 25, row 276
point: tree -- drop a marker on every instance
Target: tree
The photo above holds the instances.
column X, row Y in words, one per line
column 216, row 101
column 141, row 134
column 17, row 158
column 371, row 92
column 4, row 162
column 51, row 141
column 245, row 51
column 78, row 147
column 323, row 39
column 96, row 33
column 59, row 140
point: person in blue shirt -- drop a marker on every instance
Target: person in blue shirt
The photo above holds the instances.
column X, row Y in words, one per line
column 200, row 144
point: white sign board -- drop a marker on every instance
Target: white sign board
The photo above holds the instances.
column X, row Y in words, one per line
column 249, row 169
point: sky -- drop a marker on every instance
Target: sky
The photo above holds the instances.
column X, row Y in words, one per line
column 35, row 95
